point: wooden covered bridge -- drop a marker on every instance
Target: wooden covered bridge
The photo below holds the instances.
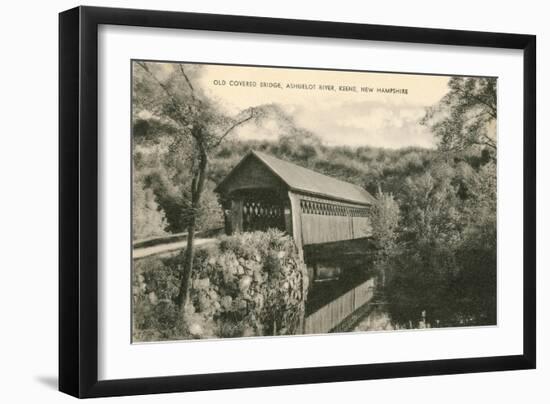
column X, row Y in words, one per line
column 264, row 192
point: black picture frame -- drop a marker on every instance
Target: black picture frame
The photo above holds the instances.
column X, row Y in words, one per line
column 78, row 200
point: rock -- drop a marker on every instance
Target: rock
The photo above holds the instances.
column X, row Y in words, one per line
column 258, row 276
column 226, row 302
column 241, row 304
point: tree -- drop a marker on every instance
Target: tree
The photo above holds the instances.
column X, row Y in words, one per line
column 165, row 94
column 430, row 213
column 384, row 220
column 465, row 117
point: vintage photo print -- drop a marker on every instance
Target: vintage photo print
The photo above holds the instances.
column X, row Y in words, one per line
column 272, row 201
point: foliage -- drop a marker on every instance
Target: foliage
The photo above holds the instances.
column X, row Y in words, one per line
column 419, row 281
column 147, row 218
column 155, row 286
column 251, row 284
column 384, row 221
column 466, row 116
column 446, row 261
column 431, row 207
column 446, row 264
column 156, row 175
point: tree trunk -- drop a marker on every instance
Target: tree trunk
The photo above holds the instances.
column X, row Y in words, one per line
column 197, row 186
column 185, row 285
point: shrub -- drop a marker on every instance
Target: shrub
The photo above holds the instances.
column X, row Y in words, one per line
column 255, row 285
column 155, row 286
column 249, row 284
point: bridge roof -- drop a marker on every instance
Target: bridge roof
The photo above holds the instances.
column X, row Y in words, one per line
column 304, row 180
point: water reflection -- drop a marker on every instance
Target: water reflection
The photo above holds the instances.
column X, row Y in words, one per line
column 405, row 296
column 330, row 279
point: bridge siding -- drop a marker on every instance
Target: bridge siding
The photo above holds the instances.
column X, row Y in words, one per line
column 332, row 221
column 318, row 229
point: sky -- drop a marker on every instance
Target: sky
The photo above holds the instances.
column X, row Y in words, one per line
column 338, row 115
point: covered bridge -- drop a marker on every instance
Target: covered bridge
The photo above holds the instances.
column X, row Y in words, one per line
column 264, row 192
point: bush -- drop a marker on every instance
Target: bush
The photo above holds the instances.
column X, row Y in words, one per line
column 155, row 287
column 250, row 284
column 255, row 285
column 148, row 218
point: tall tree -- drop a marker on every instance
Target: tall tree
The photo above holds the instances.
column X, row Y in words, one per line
column 168, row 94
column 385, row 220
column 465, row 117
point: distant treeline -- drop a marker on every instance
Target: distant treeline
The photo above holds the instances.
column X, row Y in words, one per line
column 160, row 205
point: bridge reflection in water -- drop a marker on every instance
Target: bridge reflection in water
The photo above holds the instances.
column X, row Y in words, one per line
column 342, row 283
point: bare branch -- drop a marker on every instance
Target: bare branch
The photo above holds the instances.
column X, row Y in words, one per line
column 187, row 80
column 232, row 127
column 163, row 86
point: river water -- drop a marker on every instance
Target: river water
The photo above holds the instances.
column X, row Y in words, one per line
column 376, row 320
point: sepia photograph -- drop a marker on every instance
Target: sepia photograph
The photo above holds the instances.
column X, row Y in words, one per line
column 277, row 201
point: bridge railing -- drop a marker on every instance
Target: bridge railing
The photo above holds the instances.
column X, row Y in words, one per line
column 333, row 313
